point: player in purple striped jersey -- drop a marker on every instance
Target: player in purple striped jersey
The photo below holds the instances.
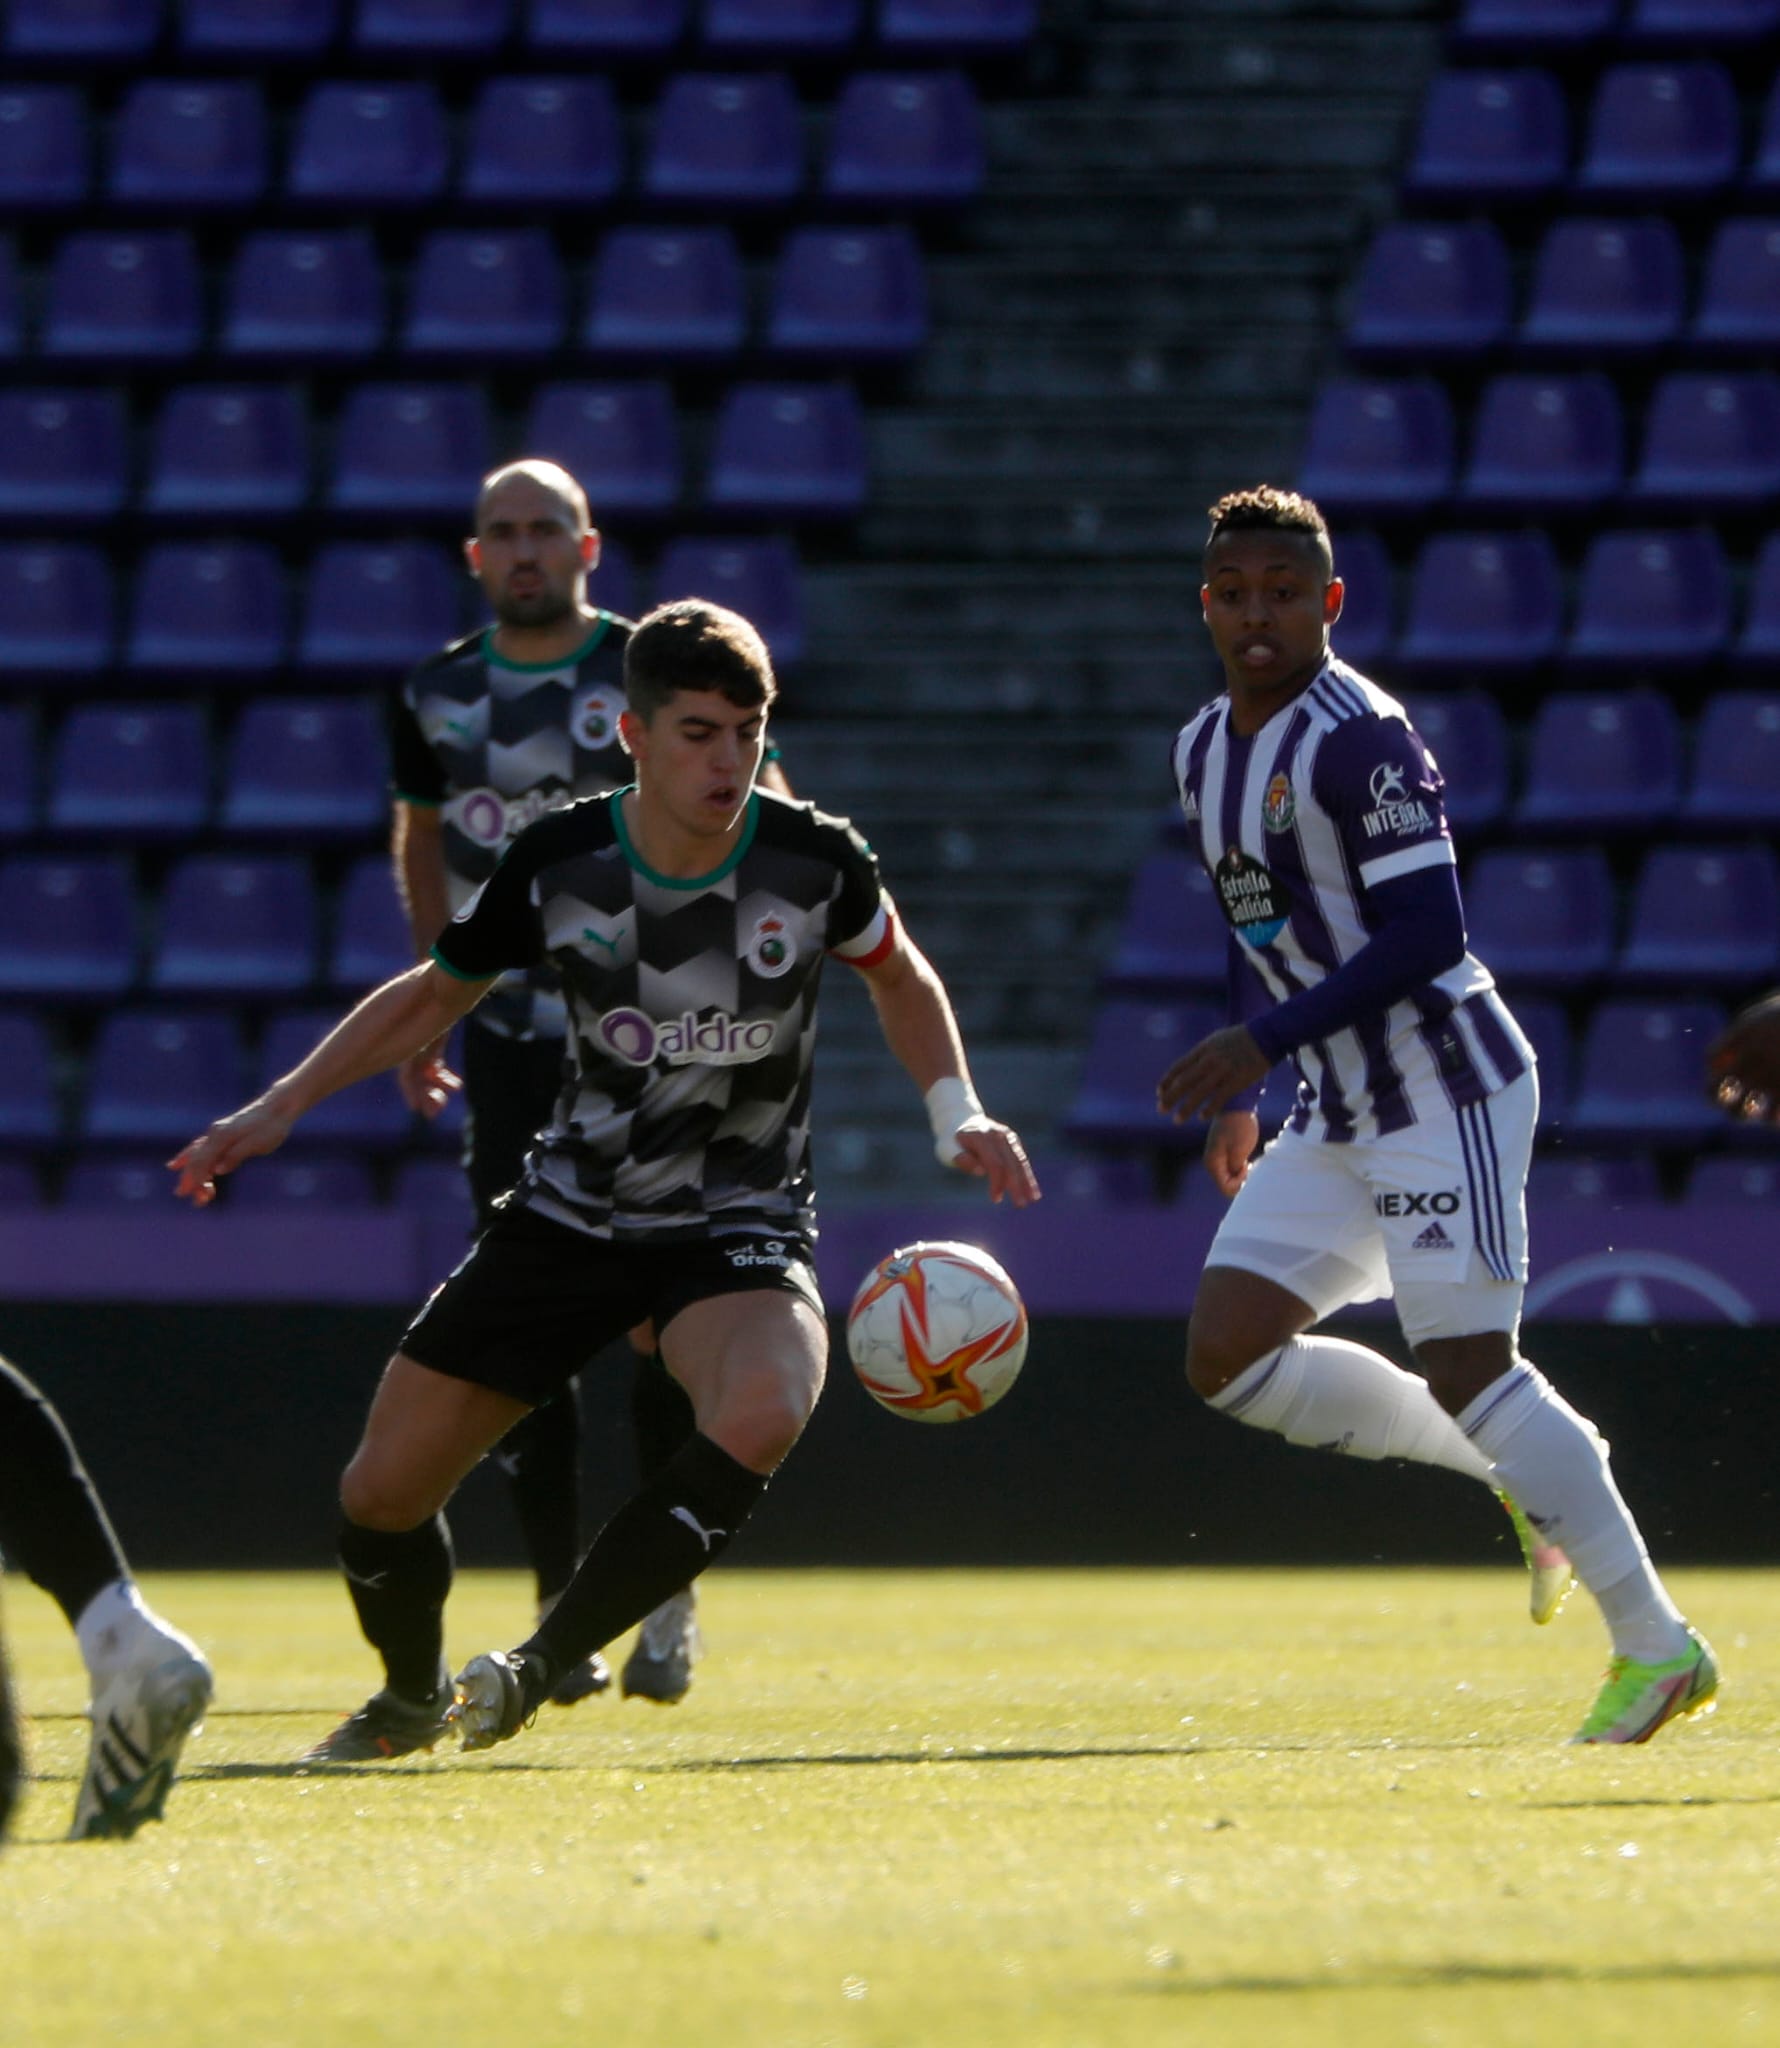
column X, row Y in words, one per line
column 1401, row 1169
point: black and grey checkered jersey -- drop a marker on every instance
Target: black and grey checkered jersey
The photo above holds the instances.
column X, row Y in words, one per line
column 494, row 744
column 692, row 1010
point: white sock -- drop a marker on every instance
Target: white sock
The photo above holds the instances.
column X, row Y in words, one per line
column 111, row 1625
column 1554, row 1462
column 1329, row 1395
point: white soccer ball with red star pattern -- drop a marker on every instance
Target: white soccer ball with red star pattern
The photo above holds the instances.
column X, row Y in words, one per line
column 937, row 1332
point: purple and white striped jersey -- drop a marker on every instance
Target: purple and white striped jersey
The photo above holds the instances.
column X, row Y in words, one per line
column 1297, row 825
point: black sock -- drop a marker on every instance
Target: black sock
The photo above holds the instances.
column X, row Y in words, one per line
column 660, row 1413
column 12, row 1746
column 53, row 1525
column 541, row 1456
column 398, row 1580
column 678, row 1522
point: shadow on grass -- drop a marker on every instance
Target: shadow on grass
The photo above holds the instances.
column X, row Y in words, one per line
column 1445, row 1975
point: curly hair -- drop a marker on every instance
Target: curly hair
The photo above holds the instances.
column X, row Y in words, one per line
column 1266, row 508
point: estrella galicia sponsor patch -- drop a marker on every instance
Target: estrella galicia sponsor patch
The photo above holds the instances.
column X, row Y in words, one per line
column 1279, row 806
column 1252, row 900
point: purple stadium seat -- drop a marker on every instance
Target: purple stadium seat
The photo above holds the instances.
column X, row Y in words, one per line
column 761, row 579
column 235, row 926
column 956, row 28
column 849, row 295
column 612, row 584
column 124, row 1180
column 1689, row 24
column 1132, row 1043
column 544, row 142
column 1541, row 919
column 1758, row 646
column 159, row 1077
column 485, row 294
column 322, row 1181
column 789, row 451
column 1711, row 442
column 725, row 140
column 12, row 314
column 1491, row 135
column 905, row 139
column 661, row 294
column 1742, row 1184
column 101, row 30
column 18, row 772
column 1546, row 1022
column 305, row 295
column 1641, row 1069
column 67, row 926
column 208, row 609
column 1651, row 600
column 189, row 144
column 304, row 767
column 433, row 1187
column 781, row 28
column 369, row 145
column 1541, row 27
column 431, row 28
column 1368, row 610
column 621, row 440
column 1174, row 937
column 1736, row 763
column 1379, row 445
column 405, row 449
column 1599, row 762
column 1431, row 290
column 258, row 31
column 1545, row 444
column 56, row 610
column 1605, row 285
column 225, row 451
column 1661, row 132
column 28, row 1114
column 1483, row 601
column 1703, row 917
column 615, row 29
column 373, row 607
column 19, row 1185
column 1566, row 1180
column 371, row 936
column 136, row 770
column 45, row 157
column 1468, row 737
column 369, row 1113
column 1739, row 303
column 63, row 454
column 123, row 296
column 1764, row 167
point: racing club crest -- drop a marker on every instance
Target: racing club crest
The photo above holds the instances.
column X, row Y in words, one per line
column 771, row 949
column 1279, row 806
column 593, row 717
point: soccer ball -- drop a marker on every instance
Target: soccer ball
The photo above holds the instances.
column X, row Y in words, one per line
column 937, row 1332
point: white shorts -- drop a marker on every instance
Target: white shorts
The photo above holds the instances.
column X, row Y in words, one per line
column 1435, row 1215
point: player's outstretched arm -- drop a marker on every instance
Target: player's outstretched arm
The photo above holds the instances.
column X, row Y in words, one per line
column 391, row 1023
column 920, row 1029
column 1743, row 1066
column 417, row 853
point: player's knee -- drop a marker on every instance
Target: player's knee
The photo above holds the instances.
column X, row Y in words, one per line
column 759, row 1419
column 377, row 1499
column 1217, row 1356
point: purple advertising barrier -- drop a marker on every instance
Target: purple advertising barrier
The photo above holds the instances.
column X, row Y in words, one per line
column 1645, row 1263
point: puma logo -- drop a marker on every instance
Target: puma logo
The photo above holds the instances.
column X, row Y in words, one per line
column 611, row 945
column 370, row 1580
column 706, row 1536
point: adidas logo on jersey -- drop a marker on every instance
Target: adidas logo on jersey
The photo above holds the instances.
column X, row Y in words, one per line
column 1433, row 1239
column 1189, row 807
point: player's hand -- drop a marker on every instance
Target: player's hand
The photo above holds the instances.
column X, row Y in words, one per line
column 993, row 1153
column 1743, row 1066
column 1229, row 1146
column 426, row 1082
column 261, row 1127
column 1201, row 1081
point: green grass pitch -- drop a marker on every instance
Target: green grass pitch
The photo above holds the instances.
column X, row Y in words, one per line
column 898, row 1810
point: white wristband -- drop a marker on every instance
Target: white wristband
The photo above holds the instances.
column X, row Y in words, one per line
column 951, row 1103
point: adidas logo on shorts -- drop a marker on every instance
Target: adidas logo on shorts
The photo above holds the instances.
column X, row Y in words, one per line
column 1433, row 1239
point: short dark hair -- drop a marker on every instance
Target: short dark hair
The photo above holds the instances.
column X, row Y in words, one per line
column 1266, row 508
column 693, row 645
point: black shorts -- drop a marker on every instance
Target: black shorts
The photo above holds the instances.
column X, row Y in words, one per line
column 510, row 1091
column 535, row 1300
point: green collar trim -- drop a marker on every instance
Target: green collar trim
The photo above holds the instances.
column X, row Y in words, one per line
column 538, row 668
column 643, row 868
